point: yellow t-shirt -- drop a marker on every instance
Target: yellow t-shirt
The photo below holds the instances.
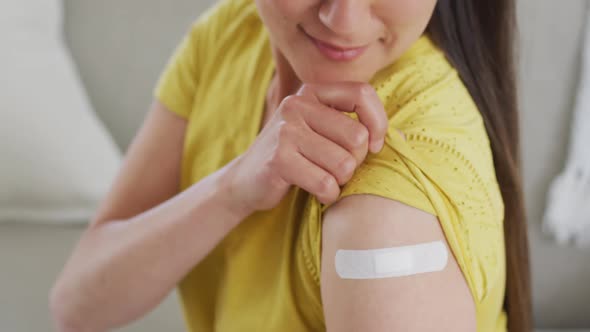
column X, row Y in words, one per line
column 264, row 276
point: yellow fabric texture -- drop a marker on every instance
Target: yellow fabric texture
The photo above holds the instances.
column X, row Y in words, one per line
column 264, row 276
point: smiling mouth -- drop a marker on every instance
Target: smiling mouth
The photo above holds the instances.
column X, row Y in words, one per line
column 335, row 52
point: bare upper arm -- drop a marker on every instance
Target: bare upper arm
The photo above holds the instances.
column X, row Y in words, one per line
column 436, row 301
column 150, row 173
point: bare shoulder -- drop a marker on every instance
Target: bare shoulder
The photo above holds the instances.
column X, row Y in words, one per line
column 434, row 301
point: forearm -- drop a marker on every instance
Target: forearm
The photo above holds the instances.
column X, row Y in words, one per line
column 122, row 269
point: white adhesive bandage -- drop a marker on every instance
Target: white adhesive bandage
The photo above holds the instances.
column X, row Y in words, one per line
column 391, row 262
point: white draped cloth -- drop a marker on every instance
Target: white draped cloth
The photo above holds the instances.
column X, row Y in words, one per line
column 567, row 215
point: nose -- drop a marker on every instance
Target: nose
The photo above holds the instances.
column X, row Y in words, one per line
column 345, row 17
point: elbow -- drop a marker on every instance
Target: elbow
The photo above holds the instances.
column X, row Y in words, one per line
column 70, row 304
column 64, row 318
column 66, row 315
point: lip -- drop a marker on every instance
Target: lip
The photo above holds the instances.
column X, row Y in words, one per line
column 337, row 53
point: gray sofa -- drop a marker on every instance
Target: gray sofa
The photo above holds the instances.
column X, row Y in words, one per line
column 120, row 48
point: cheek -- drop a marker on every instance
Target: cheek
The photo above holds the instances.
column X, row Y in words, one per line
column 290, row 9
column 406, row 13
column 281, row 18
column 283, row 12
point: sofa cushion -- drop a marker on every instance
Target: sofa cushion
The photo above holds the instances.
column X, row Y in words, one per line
column 57, row 160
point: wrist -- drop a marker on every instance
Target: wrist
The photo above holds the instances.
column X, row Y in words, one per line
column 228, row 197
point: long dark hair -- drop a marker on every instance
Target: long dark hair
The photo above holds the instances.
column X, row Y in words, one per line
column 478, row 39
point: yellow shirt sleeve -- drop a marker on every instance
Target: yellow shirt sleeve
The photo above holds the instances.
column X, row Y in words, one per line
column 390, row 175
column 178, row 83
column 444, row 166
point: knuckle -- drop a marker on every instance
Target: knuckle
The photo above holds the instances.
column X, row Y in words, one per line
column 346, row 168
column 330, row 196
column 325, row 184
column 365, row 90
column 290, row 103
column 359, row 136
column 285, row 133
column 333, row 197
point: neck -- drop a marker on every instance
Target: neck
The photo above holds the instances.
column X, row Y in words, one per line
column 285, row 82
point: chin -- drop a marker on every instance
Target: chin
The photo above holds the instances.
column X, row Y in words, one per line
column 328, row 74
column 313, row 68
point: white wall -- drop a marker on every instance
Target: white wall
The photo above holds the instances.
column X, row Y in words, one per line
column 551, row 37
column 121, row 46
column 133, row 39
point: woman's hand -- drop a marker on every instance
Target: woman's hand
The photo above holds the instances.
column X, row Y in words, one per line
column 309, row 143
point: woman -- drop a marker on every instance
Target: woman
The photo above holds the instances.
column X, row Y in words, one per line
column 255, row 120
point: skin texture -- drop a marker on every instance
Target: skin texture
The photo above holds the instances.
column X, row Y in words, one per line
column 387, row 27
column 309, row 144
column 145, row 227
column 439, row 301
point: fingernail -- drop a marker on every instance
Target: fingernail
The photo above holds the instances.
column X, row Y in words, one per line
column 376, row 146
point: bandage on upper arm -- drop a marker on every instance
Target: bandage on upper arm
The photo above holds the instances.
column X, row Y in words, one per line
column 391, row 262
